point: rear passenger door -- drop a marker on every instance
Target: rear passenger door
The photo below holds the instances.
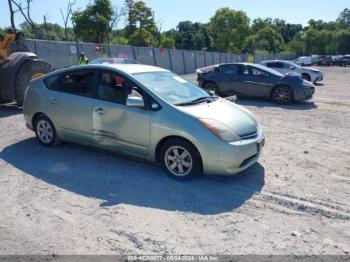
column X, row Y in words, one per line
column 229, row 78
column 257, row 82
column 70, row 102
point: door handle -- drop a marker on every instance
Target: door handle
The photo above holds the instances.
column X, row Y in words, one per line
column 99, row 110
column 53, row 100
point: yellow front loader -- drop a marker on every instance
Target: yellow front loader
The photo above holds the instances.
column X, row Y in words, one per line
column 18, row 65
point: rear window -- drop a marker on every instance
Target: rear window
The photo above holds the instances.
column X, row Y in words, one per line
column 274, row 65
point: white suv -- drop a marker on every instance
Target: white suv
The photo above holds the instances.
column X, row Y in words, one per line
column 285, row 67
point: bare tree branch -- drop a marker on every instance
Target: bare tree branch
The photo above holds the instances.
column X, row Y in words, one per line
column 22, row 10
column 66, row 16
column 12, row 15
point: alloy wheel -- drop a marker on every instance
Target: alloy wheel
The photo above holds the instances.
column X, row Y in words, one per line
column 282, row 95
column 178, row 161
column 45, row 131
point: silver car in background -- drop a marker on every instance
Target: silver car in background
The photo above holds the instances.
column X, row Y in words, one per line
column 308, row 73
column 145, row 112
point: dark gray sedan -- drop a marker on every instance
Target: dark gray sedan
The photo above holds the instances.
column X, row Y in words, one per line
column 252, row 80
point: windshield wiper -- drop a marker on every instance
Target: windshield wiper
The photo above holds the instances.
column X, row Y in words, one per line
column 199, row 100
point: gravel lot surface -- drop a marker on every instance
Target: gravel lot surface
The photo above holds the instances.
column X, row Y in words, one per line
column 74, row 200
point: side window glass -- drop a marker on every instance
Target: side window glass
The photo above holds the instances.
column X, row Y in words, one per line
column 246, row 71
column 229, row 69
column 51, row 82
column 113, row 87
column 259, row 73
column 78, row 83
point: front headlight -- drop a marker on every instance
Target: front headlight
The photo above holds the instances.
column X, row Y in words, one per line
column 220, row 130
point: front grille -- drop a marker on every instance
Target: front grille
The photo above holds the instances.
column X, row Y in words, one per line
column 249, row 135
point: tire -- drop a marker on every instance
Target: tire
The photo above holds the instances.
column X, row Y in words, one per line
column 282, row 95
column 45, row 131
column 306, row 77
column 211, row 86
column 29, row 71
column 173, row 156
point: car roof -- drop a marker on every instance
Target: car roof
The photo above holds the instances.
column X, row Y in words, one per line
column 274, row 61
column 127, row 68
column 262, row 67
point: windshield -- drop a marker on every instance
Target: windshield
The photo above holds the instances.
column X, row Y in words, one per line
column 269, row 70
column 292, row 64
column 171, row 87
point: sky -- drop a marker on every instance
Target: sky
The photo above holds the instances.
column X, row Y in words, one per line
column 170, row 13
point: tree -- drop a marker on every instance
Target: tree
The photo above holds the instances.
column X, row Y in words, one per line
column 167, row 42
column 141, row 37
column 343, row 40
column 229, row 30
column 344, row 17
column 12, row 15
column 320, row 42
column 192, row 36
column 92, row 24
column 141, row 28
column 268, row 39
column 25, row 11
column 297, row 45
column 66, row 17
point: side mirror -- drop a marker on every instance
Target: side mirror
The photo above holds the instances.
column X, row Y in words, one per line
column 292, row 67
column 135, row 101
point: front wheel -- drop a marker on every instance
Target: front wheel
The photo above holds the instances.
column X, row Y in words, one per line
column 45, row 132
column 282, row 95
column 180, row 159
column 211, row 88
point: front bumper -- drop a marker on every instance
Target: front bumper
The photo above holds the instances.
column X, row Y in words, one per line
column 319, row 78
column 232, row 158
column 305, row 93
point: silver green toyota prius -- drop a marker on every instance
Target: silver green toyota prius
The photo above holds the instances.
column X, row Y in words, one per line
column 145, row 112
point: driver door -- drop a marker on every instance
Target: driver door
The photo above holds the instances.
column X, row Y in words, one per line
column 115, row 125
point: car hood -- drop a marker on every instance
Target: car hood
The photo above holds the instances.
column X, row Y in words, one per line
column 239, row 119
column 312, row 69
column 292, row 76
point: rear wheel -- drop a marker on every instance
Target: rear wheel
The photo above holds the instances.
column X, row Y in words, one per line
column 45, row 131
column 282, row 95
column 180, row 159
column 30, row 70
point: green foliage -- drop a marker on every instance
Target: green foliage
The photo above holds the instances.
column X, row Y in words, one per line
column 141, row 28
column 344, row 18
column 297, row 45
column 141, row 37
column 343, row 40
column 167, row 42
column 229, row 30
column 320, row 42
column 192, row 36
column 92, row 24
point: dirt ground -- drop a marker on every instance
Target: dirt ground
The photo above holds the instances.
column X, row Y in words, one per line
column 74, row 200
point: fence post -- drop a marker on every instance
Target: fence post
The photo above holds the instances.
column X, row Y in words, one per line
column 154, row 57
column 134, row 52
column 195, row 59
column 184, row 61
column 170, row 60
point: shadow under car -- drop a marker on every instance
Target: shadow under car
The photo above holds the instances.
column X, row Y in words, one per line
column 114, row 180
